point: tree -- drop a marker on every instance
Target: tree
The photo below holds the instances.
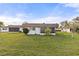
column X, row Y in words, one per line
column 47, row 31
column 65, row 24
column 25, row 30
column 1, row 24
column 77, row 30
column 76, row 19
column 70, row 25
column 75, row 24
column 72, row 28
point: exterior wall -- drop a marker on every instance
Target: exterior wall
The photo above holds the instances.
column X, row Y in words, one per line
column 1, row 30
column 21, row 29
column 31, row 32
column 36, row 31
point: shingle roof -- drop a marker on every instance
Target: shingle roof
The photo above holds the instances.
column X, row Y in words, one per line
column 39, row 25
column 32, row 25
column 15, row 26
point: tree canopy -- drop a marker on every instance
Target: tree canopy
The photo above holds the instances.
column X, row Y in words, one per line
column 65, row 24
column 1, row 24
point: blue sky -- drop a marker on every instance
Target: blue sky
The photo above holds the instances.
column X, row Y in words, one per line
column 17, row 13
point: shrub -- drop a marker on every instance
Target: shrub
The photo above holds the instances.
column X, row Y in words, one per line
column 25, row 30
column 47, row 31
column 77, row 30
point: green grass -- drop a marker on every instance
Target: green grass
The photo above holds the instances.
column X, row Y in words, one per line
column 19, row 44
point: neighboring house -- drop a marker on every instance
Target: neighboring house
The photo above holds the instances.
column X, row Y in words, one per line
column 11, row 28
column 34, row 28
column 4, row 29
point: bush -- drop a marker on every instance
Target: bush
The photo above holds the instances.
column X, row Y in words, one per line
column 77, row 30
column 47, row 31
column 25, row 30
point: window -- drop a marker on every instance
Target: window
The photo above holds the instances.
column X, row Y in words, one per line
column 53, row 30
column 14, row 29
column 4, row 28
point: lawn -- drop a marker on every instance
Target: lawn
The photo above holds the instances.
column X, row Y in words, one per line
column 19, row 44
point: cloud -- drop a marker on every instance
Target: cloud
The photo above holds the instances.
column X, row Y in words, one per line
column 20, row 15
column 20, row 18
column 48, row 19
column 10, row 20
column 17, row 20
column 73, row 5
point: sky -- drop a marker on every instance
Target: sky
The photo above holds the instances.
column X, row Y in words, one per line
column 18, row 13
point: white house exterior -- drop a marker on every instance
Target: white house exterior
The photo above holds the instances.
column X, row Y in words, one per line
column 32, row 27
column 4, row 29
column 36, row 28
column 34, row 31
column 8, row 28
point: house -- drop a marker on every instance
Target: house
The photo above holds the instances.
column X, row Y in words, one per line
column 34, row 28
column 4, row 29
column 39, row 28
column 11, row 28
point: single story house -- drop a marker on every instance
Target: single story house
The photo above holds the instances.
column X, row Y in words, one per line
column 34, row 28
column 11, row 28
column 39, row 28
